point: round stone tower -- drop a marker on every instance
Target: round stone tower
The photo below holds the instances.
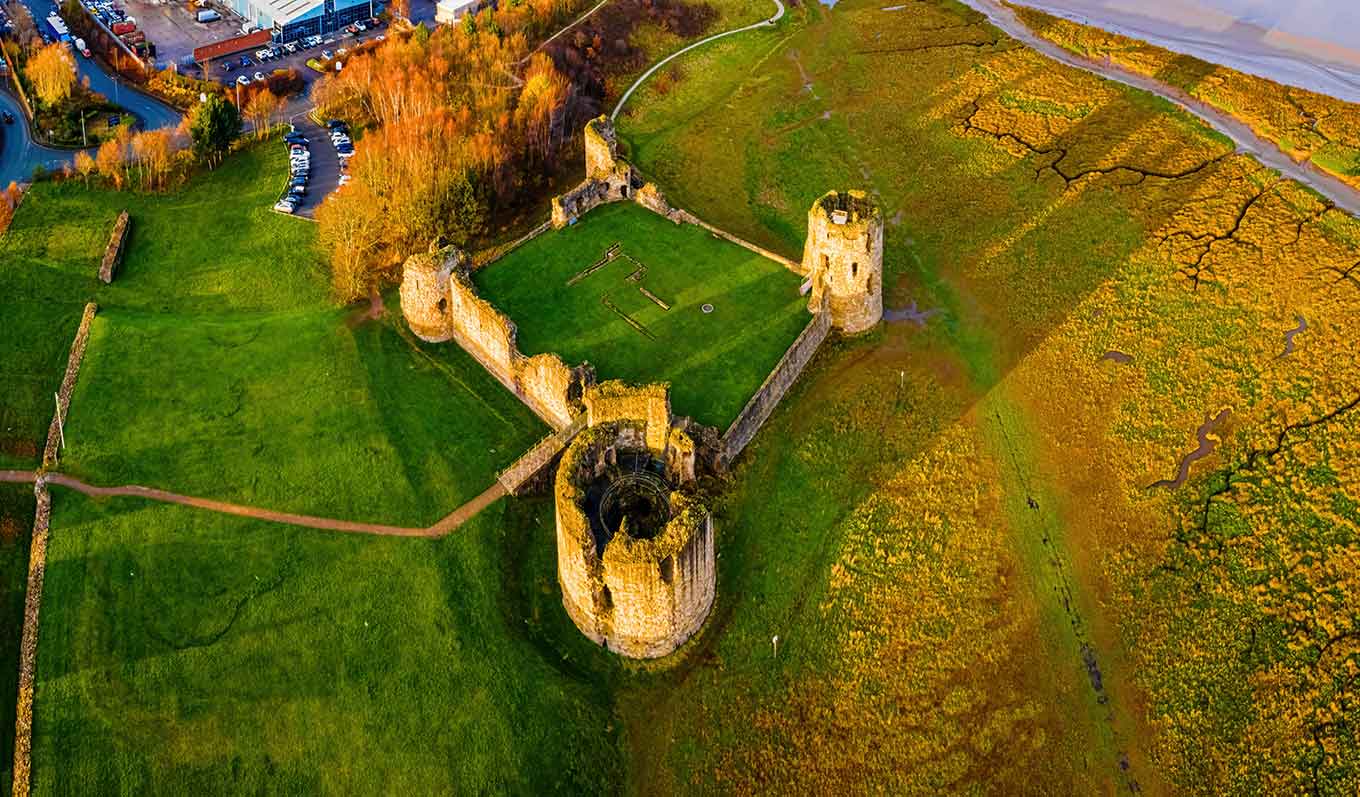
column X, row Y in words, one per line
column 635, row 554
column 425, row 293
column 843, row 257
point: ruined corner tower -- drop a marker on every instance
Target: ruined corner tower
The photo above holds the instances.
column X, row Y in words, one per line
column 609, row 178
column 425, row 292
column 843, row 259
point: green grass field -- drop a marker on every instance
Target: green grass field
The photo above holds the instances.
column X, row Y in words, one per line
column 218, row 367
column 714, row 361
column 190, row 652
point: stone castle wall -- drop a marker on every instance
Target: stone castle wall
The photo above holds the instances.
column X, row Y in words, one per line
column 649, row 405
column 775, row 386
column 609, row 178
column 440, row 303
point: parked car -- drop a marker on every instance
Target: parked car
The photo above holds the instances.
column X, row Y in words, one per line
column 259, row 77
column 242, row 80
column 245, row 60
column 227, row 66
column 327, row 55
column 291, row 47
column 285, row 205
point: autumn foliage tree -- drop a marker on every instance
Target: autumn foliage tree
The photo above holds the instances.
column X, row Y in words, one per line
column 52, row 73
column 457, row 135
column 260, row 110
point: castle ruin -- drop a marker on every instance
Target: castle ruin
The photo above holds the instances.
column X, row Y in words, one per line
column 843, row 258
column 635, row 555
column 635, row 541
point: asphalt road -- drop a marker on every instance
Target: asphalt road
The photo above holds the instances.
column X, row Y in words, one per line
column 19, row 153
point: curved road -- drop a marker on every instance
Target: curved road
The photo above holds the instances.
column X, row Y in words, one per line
column 778, row 15
column 1341, row 194
column 19, row 153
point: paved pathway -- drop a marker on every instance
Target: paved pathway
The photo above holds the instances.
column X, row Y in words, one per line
column 446, row 525
column 778, row 15
column 1341, row 194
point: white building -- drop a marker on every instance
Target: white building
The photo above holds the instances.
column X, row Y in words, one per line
column 447, row 12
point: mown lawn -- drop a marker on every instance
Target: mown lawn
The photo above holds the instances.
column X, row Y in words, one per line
column 714, row 361
column 218, row 366
column 189, row 652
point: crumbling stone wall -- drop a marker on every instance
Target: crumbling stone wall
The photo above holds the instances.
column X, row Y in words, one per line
column 28, row 645
column 775, row 386
column 113, row 253
column 609, row 178
column 68, row 385
column 843, row 256
column 649, row 405
column 440, row 303
column 641, row 598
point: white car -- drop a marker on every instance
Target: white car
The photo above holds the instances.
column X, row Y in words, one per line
column 285, row 206
column 259, row 77
column 242, row 80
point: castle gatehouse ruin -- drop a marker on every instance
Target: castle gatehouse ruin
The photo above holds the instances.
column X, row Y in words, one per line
column 635, row 541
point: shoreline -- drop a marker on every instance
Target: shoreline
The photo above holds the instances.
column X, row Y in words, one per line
column 1293, row 59
column 1243, row 137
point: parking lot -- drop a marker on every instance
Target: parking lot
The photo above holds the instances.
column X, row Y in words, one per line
column 175, row 30
column 317, row 156
column 227, row 70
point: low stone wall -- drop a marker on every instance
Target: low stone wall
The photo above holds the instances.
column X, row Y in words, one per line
column 772, row 390
column 487, row 256
column 690, row 218
column 68, row 385
column 113, row 253
column 28, row 646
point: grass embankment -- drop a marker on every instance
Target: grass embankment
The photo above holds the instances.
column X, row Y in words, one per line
column 714, row 361
column 1305, row 124
column 17, row 506
column 993, row 551
column 218, row 367
column 194, row 652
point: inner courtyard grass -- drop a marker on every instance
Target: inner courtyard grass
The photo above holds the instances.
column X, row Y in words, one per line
column 714, row 361
column 190, row 652
column 218, row 367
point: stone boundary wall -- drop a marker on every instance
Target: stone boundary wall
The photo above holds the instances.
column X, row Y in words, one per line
column 772, row 390
column 113, row 253
column 28, row 647
column 68, row 385
column 543, row 382
column 489, row 256
column 690, row 218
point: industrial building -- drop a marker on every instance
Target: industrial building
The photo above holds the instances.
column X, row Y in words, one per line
column 289, row 20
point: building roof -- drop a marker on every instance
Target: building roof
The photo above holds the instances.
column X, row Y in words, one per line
column 250, row 41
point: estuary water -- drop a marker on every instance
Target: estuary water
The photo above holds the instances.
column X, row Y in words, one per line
column 1313, row 44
